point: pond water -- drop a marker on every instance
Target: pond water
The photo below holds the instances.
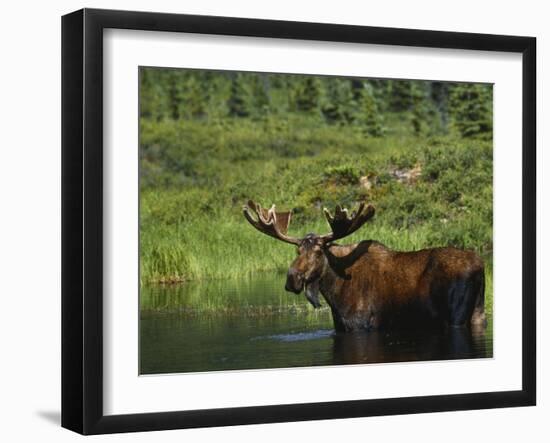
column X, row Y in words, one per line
column 256, row 324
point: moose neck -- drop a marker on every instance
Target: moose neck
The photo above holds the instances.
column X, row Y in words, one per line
column 338, row 268
column 331, row 279
column 338, row 272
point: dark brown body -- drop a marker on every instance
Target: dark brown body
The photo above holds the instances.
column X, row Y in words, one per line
column 370, row 286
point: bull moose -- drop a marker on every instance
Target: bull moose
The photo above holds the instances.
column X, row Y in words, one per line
column 369, row 286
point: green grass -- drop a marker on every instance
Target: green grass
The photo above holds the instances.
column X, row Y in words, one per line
column 196, row 176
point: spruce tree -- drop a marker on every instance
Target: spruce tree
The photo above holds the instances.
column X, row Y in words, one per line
column 152, row 95
column 382, row 92
column 371, row 118
column 400, row 95
column 175, row 93
column 471, row 109
column 338, row 105
column 260, row 94
column 308, row 94
column 239, row 98
column 439, row 95
column 195, row 95
column 420, row 106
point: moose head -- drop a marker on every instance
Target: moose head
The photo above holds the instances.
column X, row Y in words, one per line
column 313, row 255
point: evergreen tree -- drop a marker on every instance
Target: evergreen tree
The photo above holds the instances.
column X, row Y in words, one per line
column 420, row 107
column 371, row 118
column 439, row 95
column 308, row 94
column 471, row 109
column 357, row 89
column 381, row 89
column 152, row 98
column 338, row 101
column 428, row 106
column 260, row 94
column 239, row 102
column 400, row 95
column 195, row 95
column 175, row 93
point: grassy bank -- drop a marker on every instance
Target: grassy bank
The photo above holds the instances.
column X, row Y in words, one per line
column 427, row 192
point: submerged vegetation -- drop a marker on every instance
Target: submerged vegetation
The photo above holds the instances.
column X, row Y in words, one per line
column 420, row 152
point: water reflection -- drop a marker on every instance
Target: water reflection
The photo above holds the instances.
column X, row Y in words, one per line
column 299, row 336
column 255, row 324
column 384, row 347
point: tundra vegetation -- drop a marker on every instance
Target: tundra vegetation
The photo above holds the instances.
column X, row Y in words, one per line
column 420, row 152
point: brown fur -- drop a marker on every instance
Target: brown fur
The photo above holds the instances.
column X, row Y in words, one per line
column 370, row 286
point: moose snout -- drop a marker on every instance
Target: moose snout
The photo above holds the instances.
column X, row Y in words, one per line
column 294, row 281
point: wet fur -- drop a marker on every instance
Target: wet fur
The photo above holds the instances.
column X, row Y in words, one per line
column 369, row 286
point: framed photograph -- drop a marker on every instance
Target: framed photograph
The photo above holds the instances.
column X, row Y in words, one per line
column 269, row 221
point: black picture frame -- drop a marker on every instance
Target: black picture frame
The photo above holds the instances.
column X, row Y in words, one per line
column 82, row 221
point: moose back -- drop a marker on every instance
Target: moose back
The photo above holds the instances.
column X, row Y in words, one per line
column 369, row 286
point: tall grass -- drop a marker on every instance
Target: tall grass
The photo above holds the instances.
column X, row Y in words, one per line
column 233, row 249
column 196, row 176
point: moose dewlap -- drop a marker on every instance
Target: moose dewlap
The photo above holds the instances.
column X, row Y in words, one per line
column 369, row 286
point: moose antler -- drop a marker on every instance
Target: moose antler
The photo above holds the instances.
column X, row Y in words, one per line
column 269, row 221
column 343, row 225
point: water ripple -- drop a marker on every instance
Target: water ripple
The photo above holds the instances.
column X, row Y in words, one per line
column 298, row 336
